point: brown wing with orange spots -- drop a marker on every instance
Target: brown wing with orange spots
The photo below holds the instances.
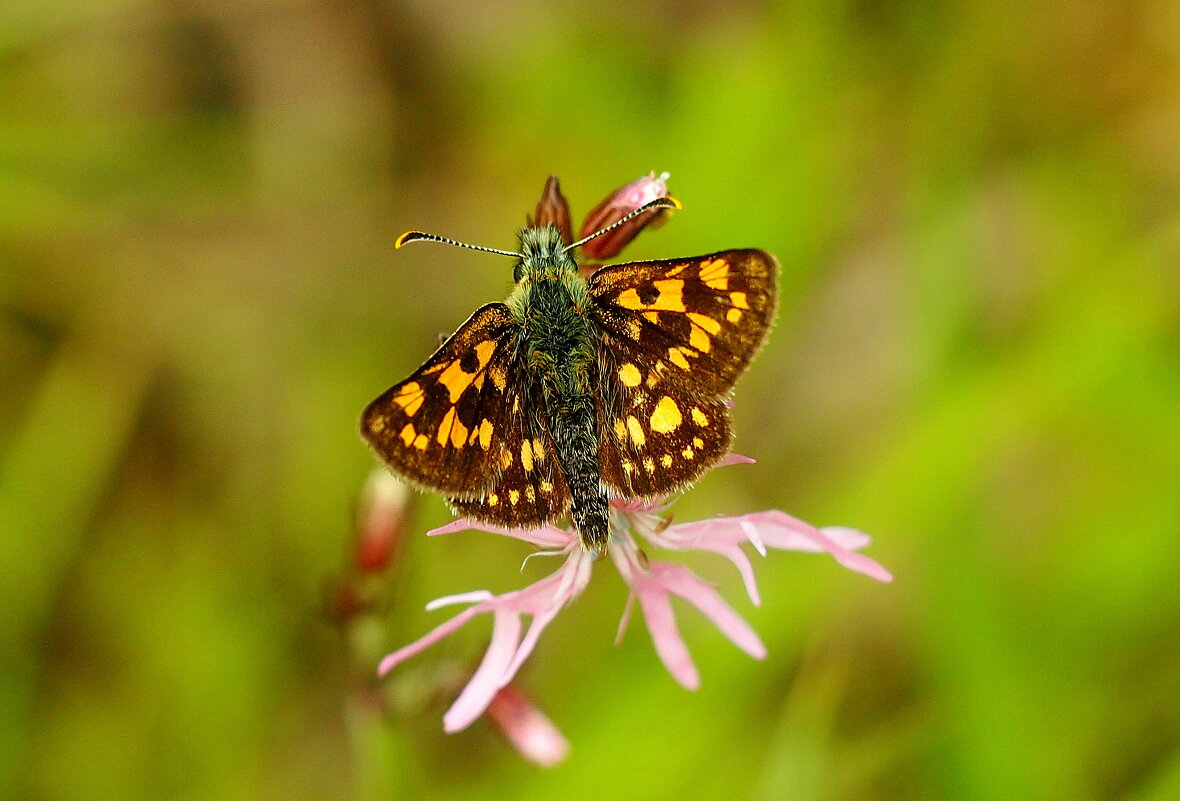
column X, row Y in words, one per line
column 446, row 427
column 676, row 336
column 530, row 488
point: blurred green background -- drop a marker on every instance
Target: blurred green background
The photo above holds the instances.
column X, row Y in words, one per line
column 977, row 360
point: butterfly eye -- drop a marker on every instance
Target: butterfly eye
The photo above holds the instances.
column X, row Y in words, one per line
column 518, row 271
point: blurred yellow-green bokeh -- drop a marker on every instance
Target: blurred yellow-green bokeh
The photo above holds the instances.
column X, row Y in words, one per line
column 976, row 206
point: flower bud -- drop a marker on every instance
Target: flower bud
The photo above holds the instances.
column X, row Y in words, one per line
column 617, row 205
column 527, row 728
column 381, row 521
column 552, row 209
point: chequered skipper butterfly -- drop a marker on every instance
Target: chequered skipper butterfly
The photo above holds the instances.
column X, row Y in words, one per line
column 574, row 390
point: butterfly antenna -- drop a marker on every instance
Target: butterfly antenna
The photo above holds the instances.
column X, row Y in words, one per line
column 418, row 236
column 658, row 203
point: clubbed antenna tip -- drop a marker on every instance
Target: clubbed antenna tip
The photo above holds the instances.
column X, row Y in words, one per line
column 418, row 236
column 651, row 205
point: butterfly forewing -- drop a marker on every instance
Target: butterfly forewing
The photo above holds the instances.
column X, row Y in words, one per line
column 676, row 334
column 446, row 427
column 705, row 316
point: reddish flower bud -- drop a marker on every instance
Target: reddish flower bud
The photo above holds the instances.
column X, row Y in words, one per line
column 341, row 602
column 617, row 205
column 552, row 209
column 527, row 728
column 381, row 521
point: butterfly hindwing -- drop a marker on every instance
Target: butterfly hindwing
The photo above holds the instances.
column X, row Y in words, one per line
column 444, row 427
column 675, row 336
column 530, row 487
column 657, row 440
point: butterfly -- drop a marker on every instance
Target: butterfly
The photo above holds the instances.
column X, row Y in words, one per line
column 573, row 390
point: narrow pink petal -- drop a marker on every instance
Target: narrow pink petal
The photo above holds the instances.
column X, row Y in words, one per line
column 780, row 530
column 406, row 651
column 863, row 564
column 529, row 641
column 751, row 532
column 734, row 458
column 742, row 563
column 679, row 536
column 777, row 530
column 851, row 538
column 458, row 524
column 527, row 728
column 473, row 597
column 682, row 581
column 661, row 624
column 545, row 536
column 489, row 676
column 574, row 577
column 625, row 619
column 686, row 536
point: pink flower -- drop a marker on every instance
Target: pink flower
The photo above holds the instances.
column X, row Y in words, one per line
column 617, row 205
column 652, row 583
column 508, row 648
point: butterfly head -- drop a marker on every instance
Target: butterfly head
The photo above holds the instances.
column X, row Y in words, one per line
column 543, row 255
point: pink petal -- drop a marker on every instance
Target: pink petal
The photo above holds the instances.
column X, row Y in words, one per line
column 734, row 458
column 406, row 651
column 545, row 537
column 527, row 728
column 489, row 677
column 661, row 624
column 780, row 530
column 574, row 577
column 473, row 597
column 850, row 538
column 742, row 562
column 727, row 534
column 506, row 651
column 625, row 620
column 773, row 529
column 682, row 581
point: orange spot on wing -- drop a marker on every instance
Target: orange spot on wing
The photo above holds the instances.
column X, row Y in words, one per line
column 630, row 376
column 715, row 274
column 484, row 351
column 407, row 434
column 410, row 397
column 666, row 417
column 629, row 299
column 456, row 380
column 677, row 358
column 636, row 432
column 671, row 297
column 705, row 321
